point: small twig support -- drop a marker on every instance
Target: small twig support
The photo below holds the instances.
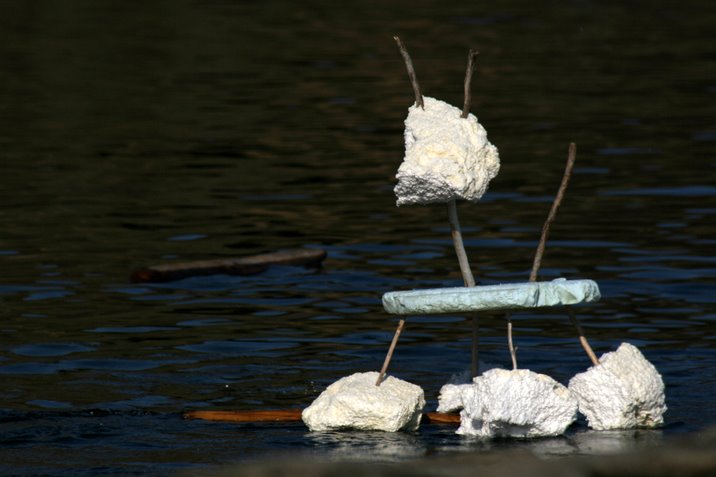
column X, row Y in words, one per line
column 571, row 157
column 467, row 278
column 389, row 356
column 583, row 338
column 411, row 72
column 471, row 56
column 553, row 211
column 510, row 345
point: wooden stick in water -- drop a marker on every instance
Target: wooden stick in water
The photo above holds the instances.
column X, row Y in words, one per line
column 411, row 72
column 389, row 356
column 233, row 266
column 293, row 415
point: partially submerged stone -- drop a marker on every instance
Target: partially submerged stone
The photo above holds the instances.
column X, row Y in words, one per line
column 447, row 157
column 518, row 403
column 509, row 296
column 623, row 391
column 355, row 402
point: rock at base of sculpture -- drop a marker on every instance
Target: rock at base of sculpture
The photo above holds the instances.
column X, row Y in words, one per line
column 355, row 402
column 518, row 403
column 623, row 391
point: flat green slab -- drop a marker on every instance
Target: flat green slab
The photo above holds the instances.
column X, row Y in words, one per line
column 512, row 296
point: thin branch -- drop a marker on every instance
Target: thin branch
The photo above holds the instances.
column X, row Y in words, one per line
column 456, row 233
column 411, row 72
column 467, row 278
column 389, row 356
column 553, row 212
column 510, row 345
column 471, row 56
column 583, row 338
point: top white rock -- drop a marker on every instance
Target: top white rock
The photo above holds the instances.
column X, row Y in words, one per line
column 355, row 402
column 623, row 391
column 447, row 157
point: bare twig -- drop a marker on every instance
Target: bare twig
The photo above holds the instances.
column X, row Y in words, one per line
column 571, row 157
column 583, row 338
column 468, row 80
column 456, row 233
column 411, row 72
column 510, row 344
column 455, row 224
column 553, row 212
column 389, row 356
column 467, row 277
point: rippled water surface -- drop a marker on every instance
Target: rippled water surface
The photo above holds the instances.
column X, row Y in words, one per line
column 168, row 132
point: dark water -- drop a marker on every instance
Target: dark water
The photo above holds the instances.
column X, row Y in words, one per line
column 173, row 131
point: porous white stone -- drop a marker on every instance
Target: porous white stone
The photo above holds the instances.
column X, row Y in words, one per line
column 623, row 391
column 446, row 157
column 355, row 402
column 450, row 397
column 517, row 403
column 508, row 296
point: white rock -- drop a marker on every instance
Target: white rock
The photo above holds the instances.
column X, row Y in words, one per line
column 517, row 403
column 446, row 157
column 451, row 397
column 355, row 402
column 624, row 391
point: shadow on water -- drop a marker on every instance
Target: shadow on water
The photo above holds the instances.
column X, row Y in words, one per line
column 192, row 131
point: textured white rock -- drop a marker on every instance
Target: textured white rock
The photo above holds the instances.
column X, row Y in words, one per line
column 623, row 391
column 491, row 297
column 355, row 402
column 446, row 157
column 450, row 397
column 517, row 403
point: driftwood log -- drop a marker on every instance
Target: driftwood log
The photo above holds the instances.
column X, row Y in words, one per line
column 232, row 266
column 293, row 415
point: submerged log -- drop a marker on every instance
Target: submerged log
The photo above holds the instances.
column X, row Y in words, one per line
column 294, row 415
column 232, row 266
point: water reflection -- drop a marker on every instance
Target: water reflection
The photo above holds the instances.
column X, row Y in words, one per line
column 207, row 130
column 368, row 446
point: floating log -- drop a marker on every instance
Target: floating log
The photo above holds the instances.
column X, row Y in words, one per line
column 233, row 266
column 294, row 415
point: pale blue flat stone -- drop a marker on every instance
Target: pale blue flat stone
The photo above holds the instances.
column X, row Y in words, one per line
column 511, row 296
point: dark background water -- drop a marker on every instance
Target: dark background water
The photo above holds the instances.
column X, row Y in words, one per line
column 171, row 131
